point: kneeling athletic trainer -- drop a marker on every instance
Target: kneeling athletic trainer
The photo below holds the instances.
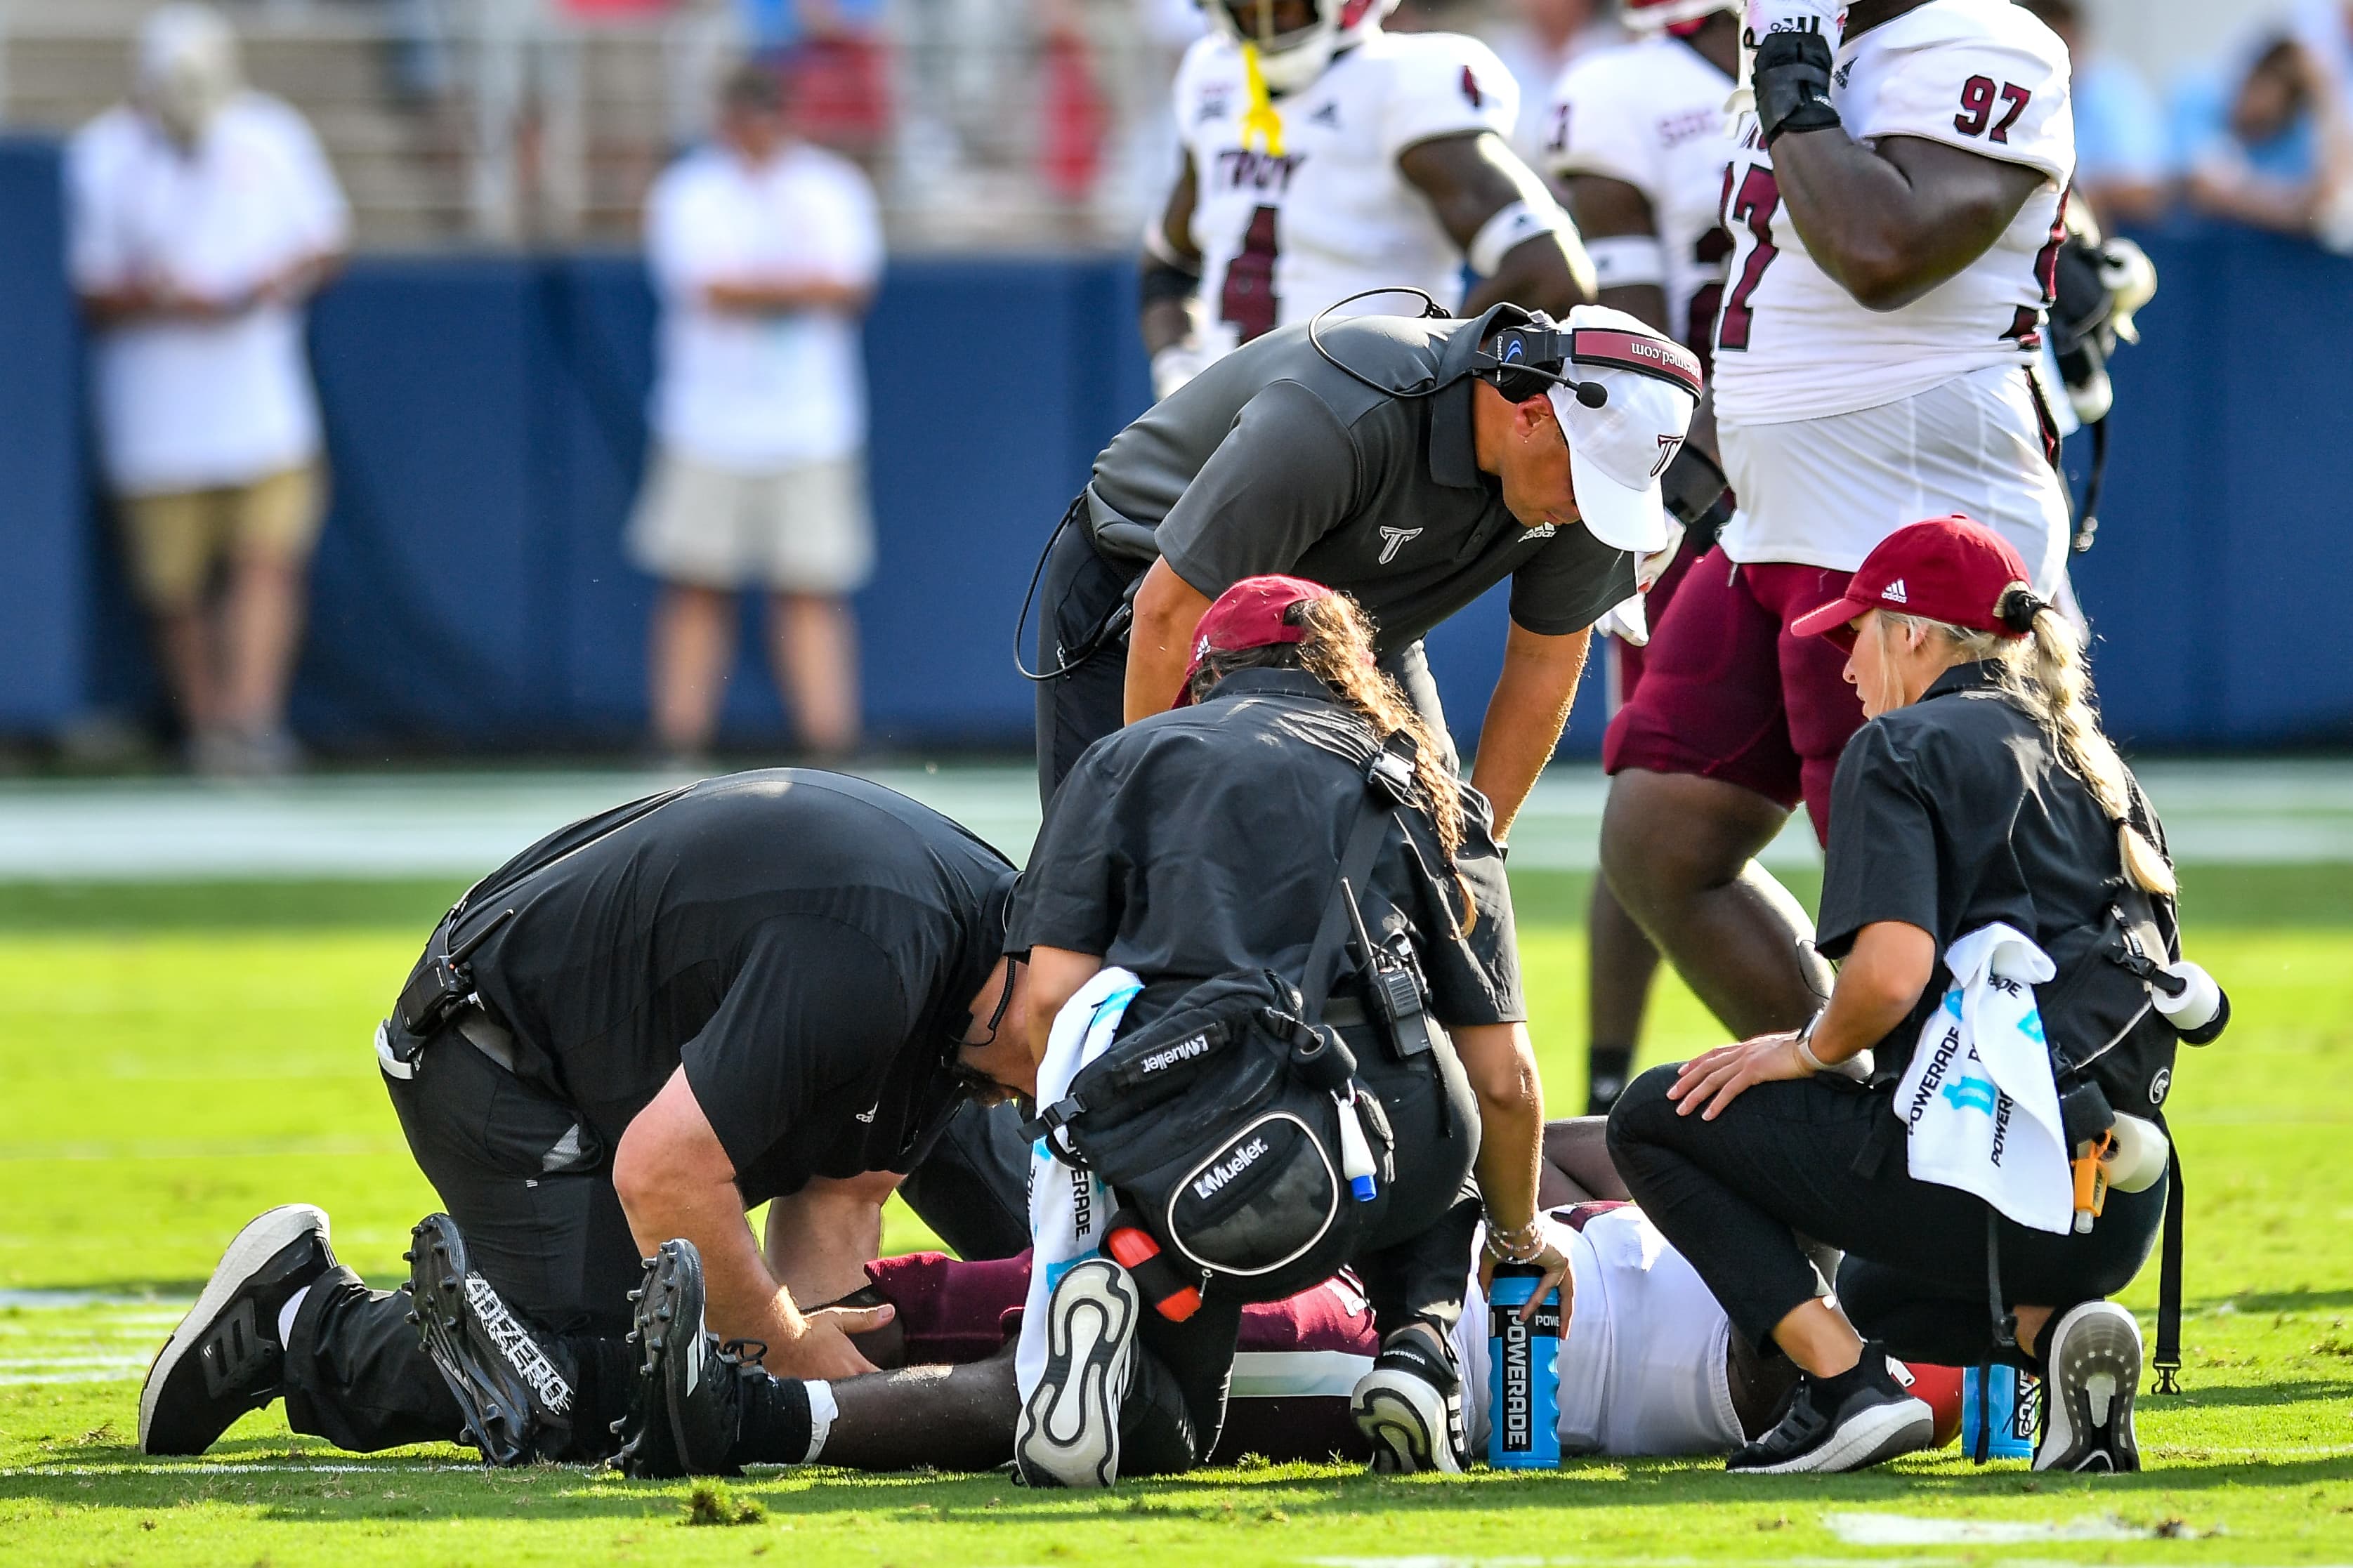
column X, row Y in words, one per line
column 758, row 987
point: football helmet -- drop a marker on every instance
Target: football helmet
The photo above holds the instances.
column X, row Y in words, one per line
column 1288, row 61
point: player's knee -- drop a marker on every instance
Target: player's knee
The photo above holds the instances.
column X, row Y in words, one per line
column 1644, row 1111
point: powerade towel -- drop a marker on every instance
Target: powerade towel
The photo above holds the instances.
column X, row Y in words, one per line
column 1523, row 1374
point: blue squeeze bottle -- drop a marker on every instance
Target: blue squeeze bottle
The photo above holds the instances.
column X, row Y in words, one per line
column 1523, row 1372
column 1998, row 1404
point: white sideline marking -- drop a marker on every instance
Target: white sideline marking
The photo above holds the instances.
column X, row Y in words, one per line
column 2271, row 811
column 219, row 1468
column 1906, row 1529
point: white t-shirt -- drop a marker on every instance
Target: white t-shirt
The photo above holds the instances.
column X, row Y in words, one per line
column 1644, row 1369
column 1651, row 114
column 754, row 392
column 1283, row 235
column 188, row 406
column 1981, row 75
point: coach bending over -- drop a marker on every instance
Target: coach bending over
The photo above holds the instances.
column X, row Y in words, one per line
column 755, row 989
column 1981, row 790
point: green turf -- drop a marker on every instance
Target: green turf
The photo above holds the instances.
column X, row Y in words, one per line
column 172, row 1059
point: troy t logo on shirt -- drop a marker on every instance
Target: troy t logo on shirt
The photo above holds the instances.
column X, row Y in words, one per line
column 1396, row 539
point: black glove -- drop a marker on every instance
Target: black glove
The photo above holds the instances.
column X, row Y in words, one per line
column 1697, row 496
column 1791, row 80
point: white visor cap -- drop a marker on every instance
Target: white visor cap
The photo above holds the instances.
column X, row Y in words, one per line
column 1617, row 452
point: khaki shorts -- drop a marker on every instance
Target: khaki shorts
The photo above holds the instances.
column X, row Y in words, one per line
column 803, row 530
column 178, row 541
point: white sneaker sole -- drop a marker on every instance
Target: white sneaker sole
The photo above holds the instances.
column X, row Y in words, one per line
column 263, row 1237
column 1070, row 1424
column 2094, row 1372
column 1873, row 1437
column 1404, row 1418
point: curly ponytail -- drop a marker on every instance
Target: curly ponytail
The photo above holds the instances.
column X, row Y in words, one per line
column 1338, row 649
column 2045, row 673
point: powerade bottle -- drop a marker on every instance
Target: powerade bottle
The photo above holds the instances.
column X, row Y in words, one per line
column 1523, row 1374
column 1998, row 1404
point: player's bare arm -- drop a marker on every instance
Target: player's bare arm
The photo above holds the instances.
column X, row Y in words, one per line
column 1470, row 180
column 1171, row 272
column 674, row 1179
column 1892, row 220
column 1605, row 208
column 1526, row 717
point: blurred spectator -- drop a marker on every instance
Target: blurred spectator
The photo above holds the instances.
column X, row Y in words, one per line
column 203, row 216
column 2271, row 148
column 837, row 68
column 1537, row 42
column 2123, row 163
column 765, row 251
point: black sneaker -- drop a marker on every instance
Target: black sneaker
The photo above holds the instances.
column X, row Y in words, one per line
column 2093, row 1358
column 1410, row 1407
column 1603, row 1093
column 513, row 1387
column 224, row 1359
column 1157, row 1437
column 1069, row 1434
column 686, row 1402
column 1859, row 1418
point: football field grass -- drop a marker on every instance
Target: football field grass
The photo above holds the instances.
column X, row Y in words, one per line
column 174, row 1058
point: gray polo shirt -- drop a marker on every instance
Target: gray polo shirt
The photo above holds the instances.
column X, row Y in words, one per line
column 1273, row 460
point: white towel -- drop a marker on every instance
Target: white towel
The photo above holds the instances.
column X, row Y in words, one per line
column 1068, row 1208
column 1979, row 1105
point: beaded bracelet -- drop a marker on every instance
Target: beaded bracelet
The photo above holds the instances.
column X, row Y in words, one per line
column 1521, row 1244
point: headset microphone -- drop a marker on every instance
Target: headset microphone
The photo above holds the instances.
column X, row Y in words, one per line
column 1591, row 394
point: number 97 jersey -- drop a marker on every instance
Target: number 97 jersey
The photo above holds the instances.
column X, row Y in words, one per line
column 1983, row 76
column 1290, row 218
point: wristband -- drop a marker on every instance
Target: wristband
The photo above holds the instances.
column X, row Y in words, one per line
column 1627, row 261
column 1522, row 1244
column 1501, row 233
column 1792, row 84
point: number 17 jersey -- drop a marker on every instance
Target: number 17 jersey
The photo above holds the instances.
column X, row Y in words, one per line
column 1983, row 76
column 1285, row 230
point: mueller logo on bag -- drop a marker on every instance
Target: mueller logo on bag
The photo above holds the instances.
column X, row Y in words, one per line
column 1225, row 1170
column 1182, row 1051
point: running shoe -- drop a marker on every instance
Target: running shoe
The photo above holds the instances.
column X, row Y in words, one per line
column 225, row 1358
column 2093, row 1358
column 1410, row 1407
column 1851, row 1422
column 512, row 1386
column 1069, row 1434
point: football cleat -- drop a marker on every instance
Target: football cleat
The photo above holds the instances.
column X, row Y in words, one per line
column 1873, row 1421
column 1410, row 1408
column 224, row 1358
column 686, row 1400
column 510, row 1386
column 2093, row 1362
column 1069, row 1434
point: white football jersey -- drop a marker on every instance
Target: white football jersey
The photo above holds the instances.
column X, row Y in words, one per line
column 1285, row 232
column 1651, row 114
column 1644, row 1369
column 1981, row 75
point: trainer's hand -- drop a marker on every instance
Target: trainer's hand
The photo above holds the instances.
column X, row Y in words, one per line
column 822, row 1349
column 1554, row 1262
column 1709, row 1083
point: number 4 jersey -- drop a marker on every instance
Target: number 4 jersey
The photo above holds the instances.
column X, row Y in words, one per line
column 1289, row 221
column 1980, row 74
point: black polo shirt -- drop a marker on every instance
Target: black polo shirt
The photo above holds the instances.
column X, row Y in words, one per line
column 1208, row 839
column 1274, row 460
column 1955, row 812
column 805, row 943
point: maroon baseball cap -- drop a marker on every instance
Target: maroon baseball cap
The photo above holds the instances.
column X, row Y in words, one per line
column 1248, row 615
column 1946, row 569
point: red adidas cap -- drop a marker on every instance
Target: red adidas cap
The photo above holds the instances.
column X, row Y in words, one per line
column 1248, row 615
column 1946, row 569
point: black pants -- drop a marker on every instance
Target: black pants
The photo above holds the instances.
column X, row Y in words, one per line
column 531, row 1186
column 1076, row 710
column 1413, row 1267
column 1825, row 1157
